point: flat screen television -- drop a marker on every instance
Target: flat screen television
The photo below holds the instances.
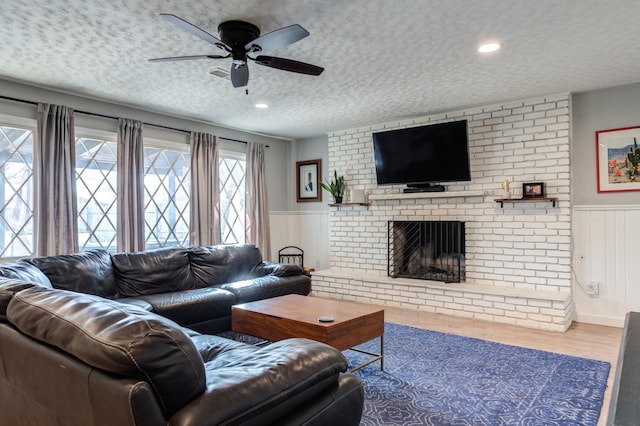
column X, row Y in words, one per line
column 424, row 155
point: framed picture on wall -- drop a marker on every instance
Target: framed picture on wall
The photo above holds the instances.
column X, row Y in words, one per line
column 533, row 190
column 618, row 159
column 309, row 176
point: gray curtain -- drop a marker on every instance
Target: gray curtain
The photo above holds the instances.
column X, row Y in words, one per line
column 130, row 186
column 256, row 207
column 204, row 221
column 55, row 207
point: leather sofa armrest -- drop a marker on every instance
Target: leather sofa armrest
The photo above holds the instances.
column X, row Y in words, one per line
column 121, row 339
column 341, row 404
column 250, row 382
column 281, row 269
column 8, row 288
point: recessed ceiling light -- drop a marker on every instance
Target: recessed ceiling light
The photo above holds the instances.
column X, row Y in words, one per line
column 489, row 47
column 262, row 105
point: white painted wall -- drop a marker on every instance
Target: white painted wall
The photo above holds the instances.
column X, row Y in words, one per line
column 305, row 225
column 606, row 226
column 307, row 230
column 603, row 109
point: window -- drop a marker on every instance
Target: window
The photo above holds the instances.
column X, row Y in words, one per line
column 96, row 184
column 16, row 192
column 166, row 184
column 232, row 197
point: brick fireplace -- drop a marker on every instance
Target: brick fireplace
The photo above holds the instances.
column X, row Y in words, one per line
column 517, row 257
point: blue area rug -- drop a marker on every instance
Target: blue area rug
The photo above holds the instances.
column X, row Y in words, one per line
column 433, row 378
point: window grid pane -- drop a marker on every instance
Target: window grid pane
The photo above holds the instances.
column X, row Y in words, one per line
column 16, row 192
column 232, row 198
column 96, row 183
column 166, row 183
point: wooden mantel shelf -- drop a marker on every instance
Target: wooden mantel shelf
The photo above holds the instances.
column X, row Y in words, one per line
column 417, row 195
column 338, row 205
column 552, row 200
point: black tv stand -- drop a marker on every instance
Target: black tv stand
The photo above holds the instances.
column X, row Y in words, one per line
column 423, row 187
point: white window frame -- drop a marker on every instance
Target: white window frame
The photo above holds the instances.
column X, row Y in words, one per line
column 102, row 135
column 234, row 155
column 173, row 145
column 30, row 124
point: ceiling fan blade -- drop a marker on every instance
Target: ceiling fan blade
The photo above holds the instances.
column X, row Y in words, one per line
column 239, row 75
column 277, row 39
column 198, row 32
column 288, row 65
column 187, row 58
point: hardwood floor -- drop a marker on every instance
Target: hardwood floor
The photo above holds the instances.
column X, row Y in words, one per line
column 583, row 340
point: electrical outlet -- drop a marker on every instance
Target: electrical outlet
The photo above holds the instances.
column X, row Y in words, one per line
column 592, row 288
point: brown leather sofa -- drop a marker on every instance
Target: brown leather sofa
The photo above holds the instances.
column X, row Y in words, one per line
column 68, row 358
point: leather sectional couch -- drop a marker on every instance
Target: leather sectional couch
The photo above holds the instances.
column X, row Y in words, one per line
column 109, row 339
column 194, row 286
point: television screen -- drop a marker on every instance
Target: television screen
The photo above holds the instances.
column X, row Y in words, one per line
column 421, row 155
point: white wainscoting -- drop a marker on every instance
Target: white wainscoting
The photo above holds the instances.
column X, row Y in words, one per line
column 606, row 251
column 305, row 229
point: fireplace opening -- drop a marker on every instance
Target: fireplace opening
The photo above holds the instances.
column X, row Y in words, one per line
column 427, row 250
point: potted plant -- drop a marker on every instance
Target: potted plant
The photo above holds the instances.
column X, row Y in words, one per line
column 336, row 187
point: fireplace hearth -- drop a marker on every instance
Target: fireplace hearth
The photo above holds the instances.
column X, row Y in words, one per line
column 427, row 250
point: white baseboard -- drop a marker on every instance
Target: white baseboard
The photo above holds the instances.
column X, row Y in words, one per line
column 600, row 320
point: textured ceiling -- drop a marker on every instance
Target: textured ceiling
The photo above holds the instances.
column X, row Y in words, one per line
column 383, row 59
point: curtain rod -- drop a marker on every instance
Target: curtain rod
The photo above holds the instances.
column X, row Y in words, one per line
column 95, row 114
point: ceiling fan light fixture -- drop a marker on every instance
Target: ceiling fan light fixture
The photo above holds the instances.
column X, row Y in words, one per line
column 489, row 47
column 239, row 39
column 261, row 105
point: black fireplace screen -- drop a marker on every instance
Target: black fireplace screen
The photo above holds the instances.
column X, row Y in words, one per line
column 427, row 250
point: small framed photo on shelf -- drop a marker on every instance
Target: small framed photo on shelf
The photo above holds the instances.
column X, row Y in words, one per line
column 618, row 159
column 533, row 190
column 309, row 176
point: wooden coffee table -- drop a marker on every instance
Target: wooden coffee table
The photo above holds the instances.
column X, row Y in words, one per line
column 297, row 316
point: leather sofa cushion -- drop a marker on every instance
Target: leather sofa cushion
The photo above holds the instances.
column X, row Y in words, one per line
column 121, row 339
column 192, row 306
column 209, row 265
column 223, row 264
column 8, row 288
column 267, row 287
column 154, row 271
column 87, row 272
column 24, row 271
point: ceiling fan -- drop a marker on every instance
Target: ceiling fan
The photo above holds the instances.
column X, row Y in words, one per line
column 242, row 41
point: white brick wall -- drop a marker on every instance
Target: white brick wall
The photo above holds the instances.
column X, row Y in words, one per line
column 521, row 246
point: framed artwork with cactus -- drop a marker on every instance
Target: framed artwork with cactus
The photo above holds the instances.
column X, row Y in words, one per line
column 308, row 181
column 618, row 159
